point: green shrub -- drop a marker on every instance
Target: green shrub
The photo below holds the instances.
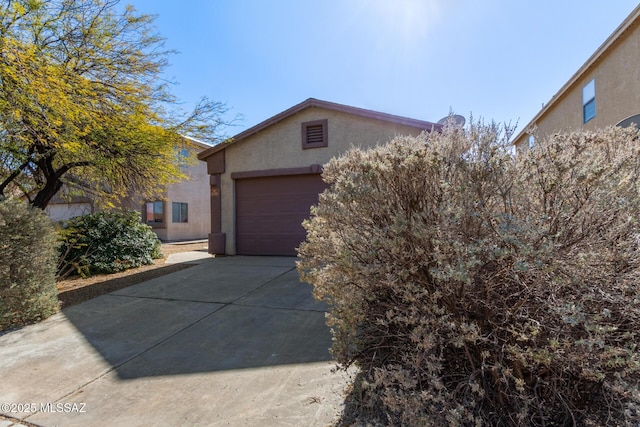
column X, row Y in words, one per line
column 474, row 288
column 106, row 242
column 28, row 249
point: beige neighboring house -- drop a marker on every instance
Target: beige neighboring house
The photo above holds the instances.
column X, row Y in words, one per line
column 265, row 179
column 604, row 91
column 183, row 211
column 180, row 213
column 60, row 209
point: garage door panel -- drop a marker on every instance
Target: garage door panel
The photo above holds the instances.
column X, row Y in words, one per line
column 270, row 211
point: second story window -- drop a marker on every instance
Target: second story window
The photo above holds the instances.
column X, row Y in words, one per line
column 589, row 101
column 183, row 157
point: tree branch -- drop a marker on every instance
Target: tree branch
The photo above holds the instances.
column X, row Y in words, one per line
column 17, row 172
column 65, row 168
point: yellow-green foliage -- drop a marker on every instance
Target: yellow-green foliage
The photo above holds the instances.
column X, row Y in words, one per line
column 473, row 288
column 28, row 254
column 82, row 103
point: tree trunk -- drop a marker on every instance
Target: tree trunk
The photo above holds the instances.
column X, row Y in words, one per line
column 45, row 195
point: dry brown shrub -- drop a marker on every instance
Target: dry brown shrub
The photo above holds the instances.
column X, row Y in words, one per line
column 470, row 287
column 28, row 252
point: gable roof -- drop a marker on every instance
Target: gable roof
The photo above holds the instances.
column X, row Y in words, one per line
column 625, row 26
column 310, row 103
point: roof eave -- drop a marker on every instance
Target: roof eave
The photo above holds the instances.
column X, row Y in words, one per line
column 197, row 142
column 312, row 102
column 604, row 47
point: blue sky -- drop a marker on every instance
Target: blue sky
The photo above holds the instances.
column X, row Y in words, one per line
column 496, row 59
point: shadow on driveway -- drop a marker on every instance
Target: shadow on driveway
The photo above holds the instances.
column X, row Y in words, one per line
column 223, row 314
column 76, row 296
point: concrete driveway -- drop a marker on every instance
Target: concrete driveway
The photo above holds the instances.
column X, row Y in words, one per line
column 235, row 341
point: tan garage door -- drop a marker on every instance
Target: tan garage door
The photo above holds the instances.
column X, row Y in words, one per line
column 270, row 211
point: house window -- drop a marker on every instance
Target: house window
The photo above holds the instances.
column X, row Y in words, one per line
column 180, row 212
column 155, row 212
column 589, row 101
column 183, row 157
column 532, row 141
column 314, row 134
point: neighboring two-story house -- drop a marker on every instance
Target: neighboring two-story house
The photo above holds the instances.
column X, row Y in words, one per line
column 181, row 212
column 604, row 91
column 264, row 180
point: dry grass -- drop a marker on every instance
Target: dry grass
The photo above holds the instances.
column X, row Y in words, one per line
column 77, row 289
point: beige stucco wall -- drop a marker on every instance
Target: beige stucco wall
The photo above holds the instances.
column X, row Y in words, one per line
column 65, row 211
column 280, row 146
column 617, row 84
column 194, row 191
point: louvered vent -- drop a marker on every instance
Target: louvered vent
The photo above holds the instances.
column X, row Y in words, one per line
column 315, row 135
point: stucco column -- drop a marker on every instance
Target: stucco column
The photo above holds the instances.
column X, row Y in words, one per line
column 215, row 168
column 216, row 237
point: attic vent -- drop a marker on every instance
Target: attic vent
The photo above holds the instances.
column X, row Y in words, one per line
column 314, row 134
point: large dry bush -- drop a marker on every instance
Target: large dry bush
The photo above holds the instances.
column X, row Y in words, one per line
column 28, row 254
column 473, row 288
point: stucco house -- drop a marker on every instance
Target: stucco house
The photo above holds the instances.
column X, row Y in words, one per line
column 264, row 180
column 179, row 213
column 604, row 91
column 63, row 208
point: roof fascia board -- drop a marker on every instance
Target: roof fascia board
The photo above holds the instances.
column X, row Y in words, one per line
column 312, row 102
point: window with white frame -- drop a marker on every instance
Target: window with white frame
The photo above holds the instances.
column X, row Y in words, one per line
column 532, row 141
column 180, row 212
column 589, row 101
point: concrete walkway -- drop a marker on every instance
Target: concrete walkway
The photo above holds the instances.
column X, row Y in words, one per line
column 234, row 341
